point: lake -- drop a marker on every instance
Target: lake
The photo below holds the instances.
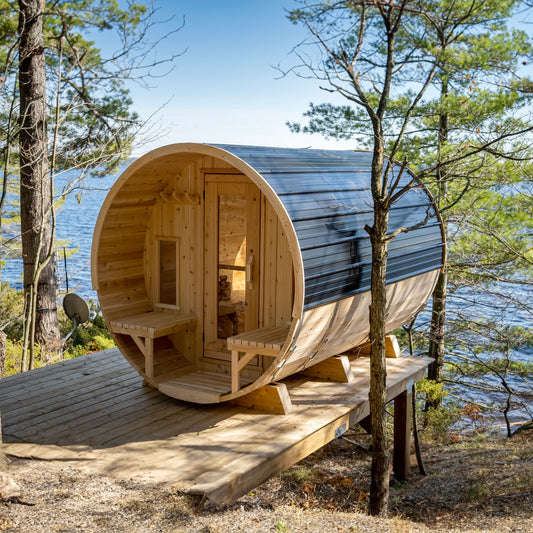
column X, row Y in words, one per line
column 76, row 219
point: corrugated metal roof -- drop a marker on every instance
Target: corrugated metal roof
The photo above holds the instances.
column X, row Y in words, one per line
column 328, row 198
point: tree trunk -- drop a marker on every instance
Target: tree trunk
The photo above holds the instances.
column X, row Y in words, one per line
column 35, row 193
column 438, row 313
column 436, row 335
column 2, row 361
column 379, row 488
column 3, row 340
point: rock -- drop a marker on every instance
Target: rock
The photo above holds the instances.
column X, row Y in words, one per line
column 9, row 488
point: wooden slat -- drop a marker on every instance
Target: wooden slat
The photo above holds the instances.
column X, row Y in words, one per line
column 284, row 273
column 253, row 225
column 153, row 324
column 65, row 402
column 263, row 337
column 58, row 422
column 210, row 270
column 269, row 265
column 120, row 420
column 39, row 390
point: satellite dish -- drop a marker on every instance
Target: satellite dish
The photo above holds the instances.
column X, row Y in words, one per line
column 76, row 308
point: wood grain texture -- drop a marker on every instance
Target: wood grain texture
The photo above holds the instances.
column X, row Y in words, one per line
column 94, row 414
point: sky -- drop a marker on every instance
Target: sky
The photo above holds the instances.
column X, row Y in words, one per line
column 225, row 88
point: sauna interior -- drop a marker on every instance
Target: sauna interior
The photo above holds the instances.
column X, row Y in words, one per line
column 200, row 274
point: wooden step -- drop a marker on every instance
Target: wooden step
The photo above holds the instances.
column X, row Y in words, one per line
column 200, row 386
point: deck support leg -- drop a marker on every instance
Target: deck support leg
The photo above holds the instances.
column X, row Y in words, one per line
column 147, row 349
column 237, row 364
column 366, row 424
column 402, row 436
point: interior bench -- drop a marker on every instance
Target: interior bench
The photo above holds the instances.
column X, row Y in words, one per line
column 262, row 341
column 146, row 327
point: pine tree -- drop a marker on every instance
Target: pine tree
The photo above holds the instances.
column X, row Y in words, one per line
column 84, row 121
column 411, row 74
column 472, row 131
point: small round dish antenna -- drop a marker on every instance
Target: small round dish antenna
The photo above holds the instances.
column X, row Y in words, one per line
column 76, row 308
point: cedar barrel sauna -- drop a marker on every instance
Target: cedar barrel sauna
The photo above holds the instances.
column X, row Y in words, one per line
column 220, row 269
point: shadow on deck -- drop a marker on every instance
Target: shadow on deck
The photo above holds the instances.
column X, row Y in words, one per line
column 95, row 412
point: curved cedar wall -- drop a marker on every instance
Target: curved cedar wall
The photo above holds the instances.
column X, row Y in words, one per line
column 315, row 254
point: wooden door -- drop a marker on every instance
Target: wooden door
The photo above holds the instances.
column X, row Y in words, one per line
column 232, row 240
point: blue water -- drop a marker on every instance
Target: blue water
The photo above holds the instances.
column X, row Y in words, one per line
column 76, row 219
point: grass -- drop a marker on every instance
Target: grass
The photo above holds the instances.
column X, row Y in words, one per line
column 279, row 526
column 476, row 490
column 299, row 474
column 90, row 337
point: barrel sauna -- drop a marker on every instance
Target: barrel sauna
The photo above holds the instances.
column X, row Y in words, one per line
column 221, row 269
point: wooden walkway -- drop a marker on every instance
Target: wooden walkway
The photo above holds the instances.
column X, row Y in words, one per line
column 94, row 412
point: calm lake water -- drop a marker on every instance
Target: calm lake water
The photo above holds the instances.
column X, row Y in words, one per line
column 75, row 225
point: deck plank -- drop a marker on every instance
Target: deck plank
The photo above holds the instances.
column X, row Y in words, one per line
column 44, row 402
column 97, row 415
column 36, row 385
column 63, row 406
column 65, row 420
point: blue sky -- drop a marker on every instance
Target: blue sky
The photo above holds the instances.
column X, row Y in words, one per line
column 224, row 89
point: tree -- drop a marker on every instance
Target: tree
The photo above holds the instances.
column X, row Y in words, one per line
column 409, row 82
column 36, row 193
column 8, row 114
column 480, row 56
column 470, row 135
column 86, row 123
column 359, row 40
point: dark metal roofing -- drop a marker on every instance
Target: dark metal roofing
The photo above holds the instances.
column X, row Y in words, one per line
column 328, row 198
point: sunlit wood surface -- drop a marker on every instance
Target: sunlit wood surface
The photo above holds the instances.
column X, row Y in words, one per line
column 94, row 412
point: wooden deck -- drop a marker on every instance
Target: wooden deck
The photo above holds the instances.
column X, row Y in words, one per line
column 94, row 412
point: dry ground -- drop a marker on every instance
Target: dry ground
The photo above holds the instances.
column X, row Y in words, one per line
column 477, row 484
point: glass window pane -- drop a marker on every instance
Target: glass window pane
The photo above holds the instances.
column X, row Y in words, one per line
column 167, row 272
column 231, row 264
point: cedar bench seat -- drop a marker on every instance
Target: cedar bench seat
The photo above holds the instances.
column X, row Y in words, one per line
column 262, row 341
column 149, row 326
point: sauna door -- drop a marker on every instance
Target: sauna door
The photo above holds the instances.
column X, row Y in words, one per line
column 232, row 215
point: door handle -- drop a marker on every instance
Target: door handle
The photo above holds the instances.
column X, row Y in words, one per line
column 249, row 277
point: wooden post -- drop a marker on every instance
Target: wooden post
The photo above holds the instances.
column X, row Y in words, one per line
column 402, row 436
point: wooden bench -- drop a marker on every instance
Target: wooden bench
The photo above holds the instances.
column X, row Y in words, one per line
column 146, row 327
column 262, row 341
